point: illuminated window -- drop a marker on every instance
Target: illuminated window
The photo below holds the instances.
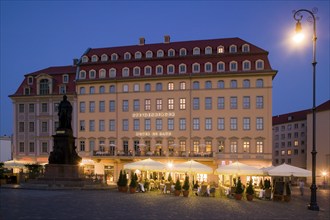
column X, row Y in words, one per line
column 233, row 146
column 221, row 49
column 170, row 105
column 246, row 146
column 260, row 147
column 170, row 86
column 182, row 103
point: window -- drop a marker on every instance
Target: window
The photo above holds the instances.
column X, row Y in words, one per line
column 62, row 89
column 208, row 85
column 136, row 105
column 125, row 124
column 182, row 85
column 233, row 123
column 82, row 125
column 159, row 124
column 92, row 90
column 196, row 51
column 125, row 72
column 260, row 123
column 246, row 102
column 221, row 146
column 102, row 89
column 259, row 83
column 221, row 67
column 170, row 124
column 260, row 147
column 31, row 107
column 136, row 87
column 91, row 106
column 221, row 84
column 147, row 124
column 246, row 123
column 182, row 103
column 160, row 53
column 260, row 102
column 196, row 68
column 171, row 53
column 92, row 74
column 114, row 57
column 85, row 59
column 246, row 83
column 233, row 66
column 112, row 106
column 245, row 48
column 136, row 71
column 112, row 73
column 82, row 90
column 246, row 65
column 259, row 64
column 112, row 125
column 170, row 69
column 65, row 78
column 44, row 126
column 136, row 124
column 233, row 146
column 44, row 147
column 159, row 104
column 208, row 50
column 183, row 52
column 195, row 85
column 31, row 126
column 125, row 106
column 91, row 125
column 170, row 104
column 208, row 103
column 95, row 58
column 170, row 86
column 30, row 80
column 44, row 87
column 246, row 146
column 21, row 147
column 221, row 123
column 102, row 73
column 159, row 86
column 182, row 124
column 101, row 125
column 127, row 56
column 82, row 107
column 233, row 49
column 92, row 145
column 221, row 103
column 147, row 104
column 44, row 107
column 195, row 123
column 147, row 87
column 195, row 103
column 21, row 108
column 233, row 84
column 208, row 124
column 208, row 67
column 149, row 54
column 104, row 57
column 125, row 88
column 27, row 91
column 182, row 68
column 221, row 49
column 138, row 55
column 233, row 102
column 101, row 106
column 147, row 71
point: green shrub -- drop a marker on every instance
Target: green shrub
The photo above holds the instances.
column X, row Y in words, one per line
column 133, row 183
column 239, row 187
column 249, row 190
column 186, row 184
column 178, row 185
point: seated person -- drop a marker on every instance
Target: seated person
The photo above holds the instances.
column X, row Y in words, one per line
column 196, row 186
column 140, row 187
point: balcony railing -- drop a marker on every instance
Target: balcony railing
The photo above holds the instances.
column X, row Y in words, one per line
column 155, row 153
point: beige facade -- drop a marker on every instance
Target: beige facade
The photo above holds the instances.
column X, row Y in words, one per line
column 322, row 145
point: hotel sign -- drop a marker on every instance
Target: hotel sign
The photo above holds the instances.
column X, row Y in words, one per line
column 153, row 115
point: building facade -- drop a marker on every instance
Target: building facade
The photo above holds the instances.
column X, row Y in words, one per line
column 35, row 106
column 207, row 100
column 5, row 148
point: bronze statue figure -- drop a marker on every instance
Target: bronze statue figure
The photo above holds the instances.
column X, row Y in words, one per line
column 64, row 113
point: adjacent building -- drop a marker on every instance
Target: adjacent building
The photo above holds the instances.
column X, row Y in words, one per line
column 5, row 148
column 207, row 100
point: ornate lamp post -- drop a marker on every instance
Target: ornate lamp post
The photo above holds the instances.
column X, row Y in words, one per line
column 298, row 17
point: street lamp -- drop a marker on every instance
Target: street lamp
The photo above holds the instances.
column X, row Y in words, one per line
column 298, row 17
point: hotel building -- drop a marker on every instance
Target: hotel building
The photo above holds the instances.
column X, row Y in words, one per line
column 207, row 100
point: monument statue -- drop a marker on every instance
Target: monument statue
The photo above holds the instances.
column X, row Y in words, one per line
column 64, row 113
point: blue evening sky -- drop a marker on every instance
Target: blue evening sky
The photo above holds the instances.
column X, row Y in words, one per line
column 39, row 34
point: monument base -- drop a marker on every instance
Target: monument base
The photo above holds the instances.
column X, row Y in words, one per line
column 62, row 175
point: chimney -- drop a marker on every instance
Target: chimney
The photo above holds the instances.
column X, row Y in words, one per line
column 75, row 61
column 141, row 41
column 167, row 39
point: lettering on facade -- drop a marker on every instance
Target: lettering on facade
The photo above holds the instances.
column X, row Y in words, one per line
column 153, row 114
column 153, row 134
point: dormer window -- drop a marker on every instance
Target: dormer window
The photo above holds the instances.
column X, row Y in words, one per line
column 245, row 48
column 183, row 52
column 170, row 69
column 92, row 74
column 104, row 57
column 182, row 68
column 112, row 73
column 44, row 87
column 127, row 56
column 84, row 59
column 259, row 64
column 125, row 72
column 171, row 53
column 221, row 67
column 30, row 80
column 196, row 68
column 114, row 57
column 196, row 51
column 62, row 89
column 65, row 78
column 82, row 74
column 147, row 71
column 159, row 70
column 160, row 53
column 136, row 71
column 233, row 66
column 233, row 49
column 149, row 54
column 208, row 67
column 208, row 50
column 95, row 58
column 221, row 49
column 102, row 73
column 246, row 65
column 138, row 55
column 26, row 91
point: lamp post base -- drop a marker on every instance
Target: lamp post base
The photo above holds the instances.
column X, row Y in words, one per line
column 313, row 207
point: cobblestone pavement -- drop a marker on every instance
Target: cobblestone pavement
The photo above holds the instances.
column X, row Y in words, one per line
column 111, row 204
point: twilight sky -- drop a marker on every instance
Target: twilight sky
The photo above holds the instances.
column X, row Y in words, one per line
column 39, row 34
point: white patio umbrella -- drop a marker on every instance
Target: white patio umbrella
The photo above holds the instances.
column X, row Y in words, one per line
column 16, row 163
column 289, row 170
column 238, row 169
column 146, row 165
column 192, row 167
column 266, row 169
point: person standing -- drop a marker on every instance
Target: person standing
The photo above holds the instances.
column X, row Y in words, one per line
column 301, row 187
